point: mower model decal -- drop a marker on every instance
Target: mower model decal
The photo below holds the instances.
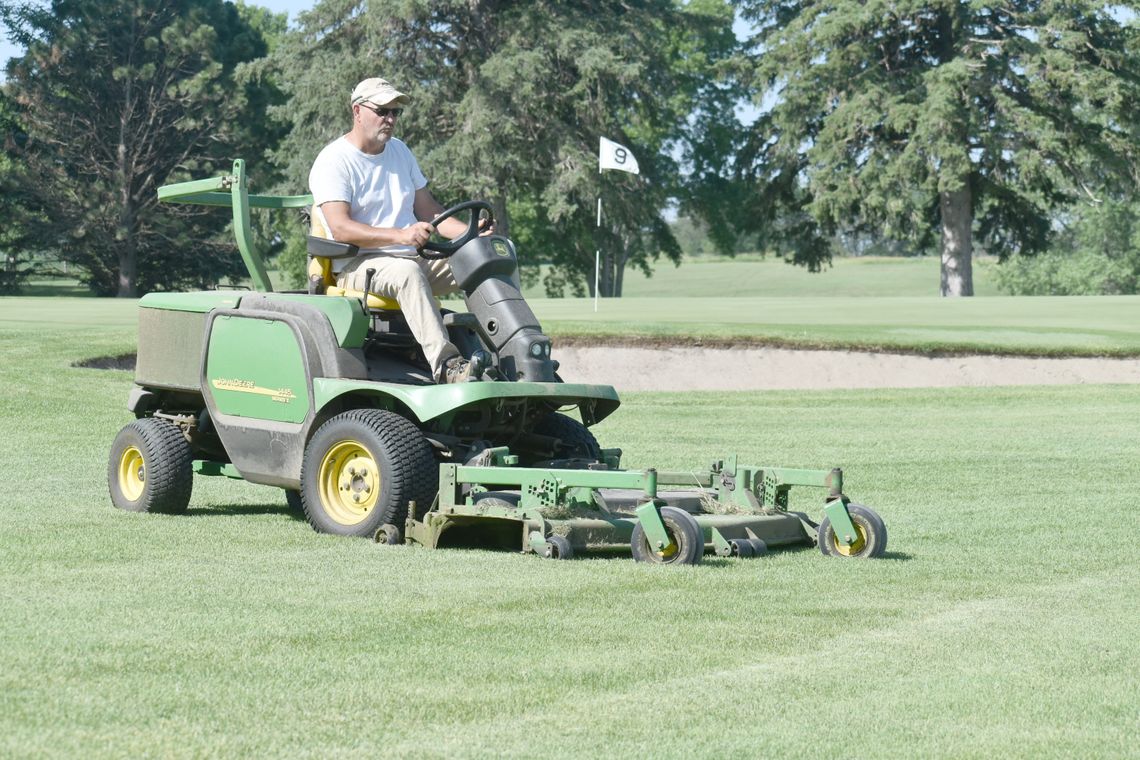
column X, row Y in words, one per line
column 281, row 395
column 255, row 368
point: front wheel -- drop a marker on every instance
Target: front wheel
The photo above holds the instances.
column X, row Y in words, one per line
column 150, row 467
column 361, row 469
column 575, row 439
column 870, row 535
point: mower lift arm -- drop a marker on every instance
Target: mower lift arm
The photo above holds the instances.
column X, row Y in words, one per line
column 233, row 190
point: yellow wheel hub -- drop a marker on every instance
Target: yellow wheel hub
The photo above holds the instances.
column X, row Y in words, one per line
column 349, row 482
column 855, row 548
column 132, row 474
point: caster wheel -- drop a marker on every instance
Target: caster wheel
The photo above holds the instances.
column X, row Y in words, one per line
column 686, row 544
column 558, row 547
column 388, row 535
column 759, row 548
column 870, row 538
column 741, row 547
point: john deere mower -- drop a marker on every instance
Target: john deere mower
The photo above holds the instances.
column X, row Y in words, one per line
column 326, row 395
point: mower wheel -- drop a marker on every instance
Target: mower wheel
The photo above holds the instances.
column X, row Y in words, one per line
column 759, row 548
column 150, row 467
column 388, row 535
column 558, row 547
column 686, row 544
column 361, row 469
column 870, row 541
column 741, row 547
column 577, row 440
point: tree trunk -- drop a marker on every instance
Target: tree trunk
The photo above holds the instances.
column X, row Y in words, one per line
column 502, row 217
column 606, row 284
column 125, row 234
column 957, row 242
column 619, row 267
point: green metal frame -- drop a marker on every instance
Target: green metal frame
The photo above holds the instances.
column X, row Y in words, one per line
column 233, row 190
column 565, row 502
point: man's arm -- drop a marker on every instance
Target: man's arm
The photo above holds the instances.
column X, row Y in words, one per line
column 426, row 208
column 345, row 229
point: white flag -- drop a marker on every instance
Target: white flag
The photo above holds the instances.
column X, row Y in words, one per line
column 611, row 155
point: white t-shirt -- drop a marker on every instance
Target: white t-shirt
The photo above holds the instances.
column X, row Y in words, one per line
column 379, row 189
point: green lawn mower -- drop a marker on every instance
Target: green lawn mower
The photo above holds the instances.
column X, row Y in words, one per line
column 325, row 394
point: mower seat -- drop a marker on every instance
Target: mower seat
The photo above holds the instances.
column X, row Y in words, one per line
column 322, row 280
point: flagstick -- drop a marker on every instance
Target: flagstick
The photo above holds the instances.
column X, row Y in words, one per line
column 598, row 255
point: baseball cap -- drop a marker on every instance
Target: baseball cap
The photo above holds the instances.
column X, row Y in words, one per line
column 378, row 92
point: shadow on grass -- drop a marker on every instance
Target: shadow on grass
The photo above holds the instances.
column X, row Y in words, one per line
column 246, row 511
column 898, row 556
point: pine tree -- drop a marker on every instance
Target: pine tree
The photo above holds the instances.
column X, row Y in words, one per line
column 936, row 121
column 118, row 97
column 509, row 100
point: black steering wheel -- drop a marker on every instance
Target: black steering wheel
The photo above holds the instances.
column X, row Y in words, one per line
column 444, row 249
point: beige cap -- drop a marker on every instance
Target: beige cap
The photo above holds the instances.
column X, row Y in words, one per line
column 378, row 92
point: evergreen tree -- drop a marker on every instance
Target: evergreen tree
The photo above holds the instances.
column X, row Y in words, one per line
column 509, row 100
column 118, row 97
column 916, row 120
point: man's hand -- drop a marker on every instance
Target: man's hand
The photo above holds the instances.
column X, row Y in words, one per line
column 417, row 235
column 486, row 226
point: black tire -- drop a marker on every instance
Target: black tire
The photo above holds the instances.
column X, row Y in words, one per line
column 687, row 544
column 577, row 440
column 759, row 548
column 361, row 469
column 558, row 547
column 387, row 534
column 150, row 468
column 741, row 547
column 871, row 541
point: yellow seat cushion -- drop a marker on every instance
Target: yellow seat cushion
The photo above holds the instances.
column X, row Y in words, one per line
column 374, row 301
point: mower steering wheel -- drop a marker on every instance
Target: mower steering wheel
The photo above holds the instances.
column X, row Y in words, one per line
column 444, row 250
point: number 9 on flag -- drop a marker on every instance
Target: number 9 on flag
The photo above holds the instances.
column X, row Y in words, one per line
column 612, row 155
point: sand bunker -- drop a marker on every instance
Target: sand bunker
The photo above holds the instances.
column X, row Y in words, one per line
column 748, row 368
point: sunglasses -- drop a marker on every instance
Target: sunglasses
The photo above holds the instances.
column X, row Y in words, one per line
column 383, row 113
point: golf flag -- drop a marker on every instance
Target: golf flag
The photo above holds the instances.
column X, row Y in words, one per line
column 611, row 155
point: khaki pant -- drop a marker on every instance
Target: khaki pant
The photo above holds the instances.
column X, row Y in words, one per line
column 413, row 282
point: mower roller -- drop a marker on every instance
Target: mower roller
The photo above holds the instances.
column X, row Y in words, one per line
column 326, row 394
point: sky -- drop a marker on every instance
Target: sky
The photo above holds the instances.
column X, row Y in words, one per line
column 7, row 49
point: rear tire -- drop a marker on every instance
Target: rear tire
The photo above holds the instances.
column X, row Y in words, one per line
column 360, row 471
column 150, row 468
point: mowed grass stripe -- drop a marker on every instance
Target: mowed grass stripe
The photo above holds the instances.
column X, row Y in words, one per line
column 1003, row 621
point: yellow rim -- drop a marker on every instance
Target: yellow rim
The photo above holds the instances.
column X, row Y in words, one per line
column 132, row 474
column 350, row 483
column 853, row 549
column 670, row 551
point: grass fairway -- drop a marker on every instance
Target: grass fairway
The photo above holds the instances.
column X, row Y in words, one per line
column 1004, row 621
column 1075, row 325
column 747, row 276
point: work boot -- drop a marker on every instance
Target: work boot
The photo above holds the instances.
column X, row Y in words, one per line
column 456, row 370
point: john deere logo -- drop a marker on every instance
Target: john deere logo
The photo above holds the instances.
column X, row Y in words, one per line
column 281, row 395
column 501, row 248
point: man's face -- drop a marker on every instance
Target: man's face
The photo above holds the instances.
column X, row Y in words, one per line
column 377, row 122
